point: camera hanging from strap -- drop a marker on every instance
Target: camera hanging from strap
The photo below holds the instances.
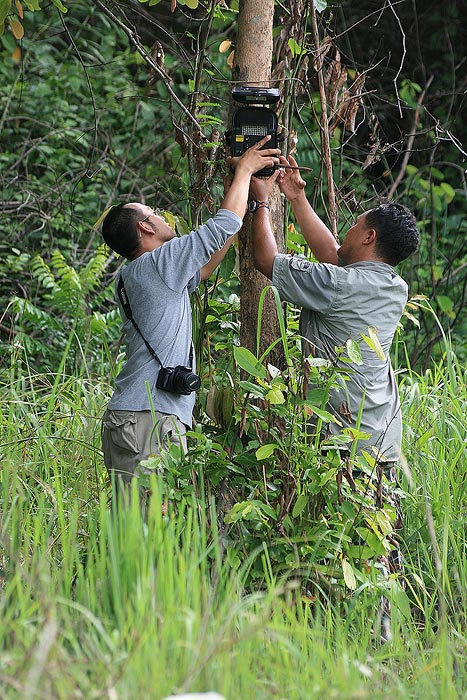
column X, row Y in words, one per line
column 175, row 380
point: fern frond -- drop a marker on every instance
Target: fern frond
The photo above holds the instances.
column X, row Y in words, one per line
column 28, row 311
column 91, row 274
column 41, row 271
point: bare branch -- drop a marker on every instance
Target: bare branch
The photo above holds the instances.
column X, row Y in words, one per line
column 319, row 59
column 134, row 38
column 410, row 141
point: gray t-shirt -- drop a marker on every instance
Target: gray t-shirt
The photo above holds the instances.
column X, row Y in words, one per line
column 339, row 303
column 158, row 285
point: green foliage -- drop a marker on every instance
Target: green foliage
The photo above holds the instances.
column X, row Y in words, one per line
column 282, row 495
column 12, row 13
column 78, row 144
column 67, row 311
column 101, row 588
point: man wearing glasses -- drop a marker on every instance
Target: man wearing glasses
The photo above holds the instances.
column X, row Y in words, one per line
column 146, row 412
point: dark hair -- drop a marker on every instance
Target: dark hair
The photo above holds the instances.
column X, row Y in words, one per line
column 119, row 230
column 396, row 230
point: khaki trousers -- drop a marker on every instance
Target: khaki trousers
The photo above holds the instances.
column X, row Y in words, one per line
column 128, row 437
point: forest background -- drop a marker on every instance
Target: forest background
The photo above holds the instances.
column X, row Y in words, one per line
column 261, row 580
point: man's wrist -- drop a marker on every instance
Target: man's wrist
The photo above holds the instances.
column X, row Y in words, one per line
column 298, row 198
column 256, row 204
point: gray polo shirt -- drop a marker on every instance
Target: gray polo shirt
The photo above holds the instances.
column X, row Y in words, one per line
column 339, row 303
column 158, row 285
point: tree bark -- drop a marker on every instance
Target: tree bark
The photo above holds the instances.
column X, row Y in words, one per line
column 252, row 66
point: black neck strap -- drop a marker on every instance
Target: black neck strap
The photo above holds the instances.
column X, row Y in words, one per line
column 123, row 296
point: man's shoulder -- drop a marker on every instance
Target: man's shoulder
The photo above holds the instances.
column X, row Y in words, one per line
column 301, row 262
column 369, row 268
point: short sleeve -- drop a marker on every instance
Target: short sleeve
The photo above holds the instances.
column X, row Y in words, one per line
column 178, row 260
column 305, row 284
column 194, row 282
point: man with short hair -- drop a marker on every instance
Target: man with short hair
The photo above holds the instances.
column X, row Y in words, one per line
column 352, row 288
column 146, row 414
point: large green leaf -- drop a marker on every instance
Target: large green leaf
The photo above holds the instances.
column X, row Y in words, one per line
column 349, row 576
column 354, row 352
column 248, row 362
column 265, row 451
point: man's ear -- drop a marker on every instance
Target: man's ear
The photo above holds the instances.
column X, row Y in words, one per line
column 144, row 227
column 369, row 237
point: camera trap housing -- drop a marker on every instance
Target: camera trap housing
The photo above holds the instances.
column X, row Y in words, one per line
column 254, row 120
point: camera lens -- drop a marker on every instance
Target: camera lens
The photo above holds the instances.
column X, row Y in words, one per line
column 192, row 382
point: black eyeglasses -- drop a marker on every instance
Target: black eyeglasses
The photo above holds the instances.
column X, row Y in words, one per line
column 156, row 212
column 170, row 220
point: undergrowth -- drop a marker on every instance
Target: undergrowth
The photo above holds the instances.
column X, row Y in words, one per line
column 235, row 589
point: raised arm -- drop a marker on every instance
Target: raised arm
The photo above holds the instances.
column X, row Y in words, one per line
column 216, row 259
column 264, row 244
column 236, row 189
column 320, row 239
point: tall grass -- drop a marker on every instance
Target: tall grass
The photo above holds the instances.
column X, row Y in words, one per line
column 97, row 602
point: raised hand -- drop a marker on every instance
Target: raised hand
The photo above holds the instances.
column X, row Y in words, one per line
column 290, row 182
column 261, row 188
column 254, row 159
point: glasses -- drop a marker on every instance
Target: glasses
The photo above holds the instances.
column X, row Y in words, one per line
column 156, row 212
column 163, row 214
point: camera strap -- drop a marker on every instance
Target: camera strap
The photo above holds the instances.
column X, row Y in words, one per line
column 123, row 296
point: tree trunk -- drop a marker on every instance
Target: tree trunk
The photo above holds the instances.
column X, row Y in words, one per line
column 253, row 59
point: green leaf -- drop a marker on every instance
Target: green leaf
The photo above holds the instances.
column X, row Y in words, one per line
column 357, row 434
column 300, row 505
column 384, row 522
column 449, row 192
column 372, row 341
column 400, row 598
column 294, row 47
column 17, row 28
column 254, row 390
column 60, row 5
column 349, row 576
column 320, row 5
column 362, row 553
column 5, row 6
column 227, row 266
column 275, row 396
column 354, row 352
column 168, row 217
column 446, row 305
column 266, row 451
column 316, row 396
column 437, row 173
column 248, row 362
column 348, row 510
column 267, row 509
column 373, row 541
column 325, row 416
column 253, row 511
column 181, row 225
